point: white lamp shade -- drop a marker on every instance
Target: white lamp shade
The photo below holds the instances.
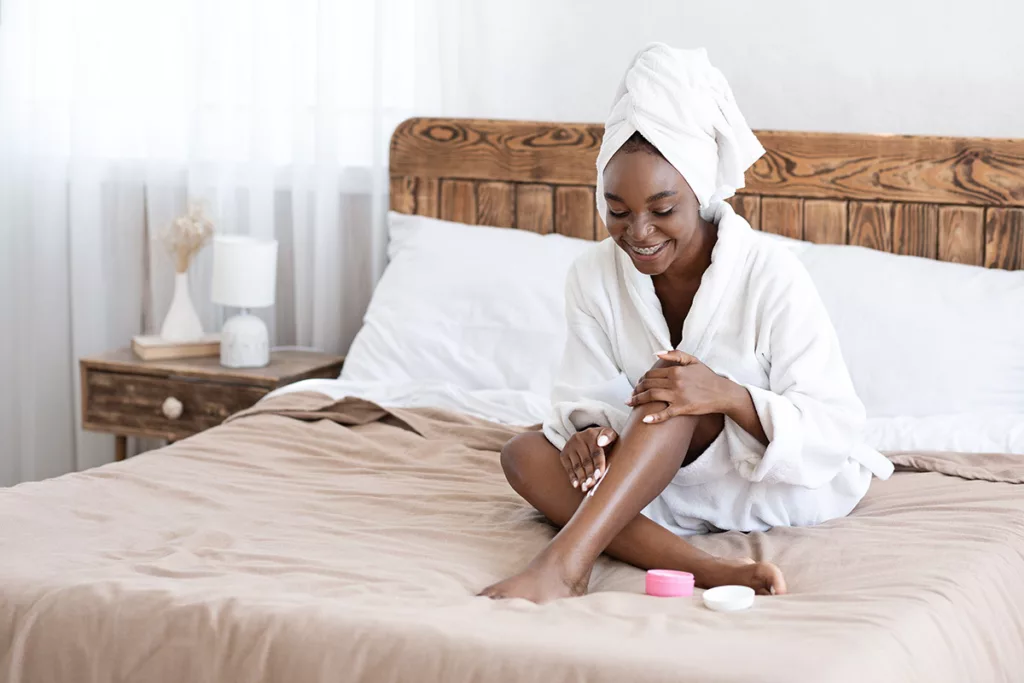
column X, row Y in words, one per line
column 244, row 271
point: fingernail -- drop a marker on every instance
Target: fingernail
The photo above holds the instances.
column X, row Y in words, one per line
column 590, row 480
column 602, row 440
column 575, row 483
column 649, row 419
column 597, row 474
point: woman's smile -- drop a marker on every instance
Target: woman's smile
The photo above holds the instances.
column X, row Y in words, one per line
column 646, row 252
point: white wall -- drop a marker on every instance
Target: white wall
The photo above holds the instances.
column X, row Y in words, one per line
column 944, row 67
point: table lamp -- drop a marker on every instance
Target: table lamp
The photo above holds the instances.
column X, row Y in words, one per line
column 245, row 277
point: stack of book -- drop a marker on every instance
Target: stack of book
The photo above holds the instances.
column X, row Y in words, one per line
column 152, row 347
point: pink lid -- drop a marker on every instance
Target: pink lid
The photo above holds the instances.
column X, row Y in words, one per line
column 668, row 583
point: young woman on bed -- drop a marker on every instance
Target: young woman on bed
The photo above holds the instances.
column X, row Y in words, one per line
column 747, row 419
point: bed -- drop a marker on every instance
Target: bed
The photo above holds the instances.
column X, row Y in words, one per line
column 320, row 536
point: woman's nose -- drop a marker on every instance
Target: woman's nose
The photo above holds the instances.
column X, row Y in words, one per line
column 640, row 228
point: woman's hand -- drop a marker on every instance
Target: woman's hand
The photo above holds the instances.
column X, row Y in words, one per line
column 583, row 456
column 688, row 387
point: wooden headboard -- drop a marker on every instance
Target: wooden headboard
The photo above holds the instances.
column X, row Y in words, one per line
column 955, row 199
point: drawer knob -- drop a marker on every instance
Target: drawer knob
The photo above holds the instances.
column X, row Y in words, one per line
column 172, row 408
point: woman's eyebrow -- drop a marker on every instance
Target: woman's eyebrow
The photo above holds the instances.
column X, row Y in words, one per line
column 615, row 197
column 660, row 195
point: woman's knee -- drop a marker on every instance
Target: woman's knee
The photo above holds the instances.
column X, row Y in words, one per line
column 519, row 453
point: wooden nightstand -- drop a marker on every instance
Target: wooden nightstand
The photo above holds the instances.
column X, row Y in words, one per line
column 173, row 399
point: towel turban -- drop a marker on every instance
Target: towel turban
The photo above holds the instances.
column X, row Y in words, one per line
column 685, row 108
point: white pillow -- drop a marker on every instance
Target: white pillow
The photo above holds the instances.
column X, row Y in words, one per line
column 935, row 349
column 480, row 307
column 924, row 337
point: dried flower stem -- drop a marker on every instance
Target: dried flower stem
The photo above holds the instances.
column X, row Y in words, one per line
column 186, row 236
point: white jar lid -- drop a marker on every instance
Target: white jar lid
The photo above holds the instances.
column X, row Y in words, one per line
column 729, row 598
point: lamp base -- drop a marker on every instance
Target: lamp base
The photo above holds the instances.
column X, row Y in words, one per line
column 244, row 342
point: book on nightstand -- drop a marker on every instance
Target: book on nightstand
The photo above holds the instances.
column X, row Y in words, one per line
column 153, row 347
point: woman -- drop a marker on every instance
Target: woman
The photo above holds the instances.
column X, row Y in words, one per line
column 747, row 419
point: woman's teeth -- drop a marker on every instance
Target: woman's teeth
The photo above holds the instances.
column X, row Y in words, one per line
column 647, row 251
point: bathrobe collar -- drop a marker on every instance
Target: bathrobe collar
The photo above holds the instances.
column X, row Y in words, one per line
column 728, row 256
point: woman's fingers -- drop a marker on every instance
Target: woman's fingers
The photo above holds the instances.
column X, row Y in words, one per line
column 672, row 373
column 587, row 463
column 665, row 395
column 676, row 356
column 662, row 415
column 575, row 468
column 605, row 436
column 650, row 383
column 600, row 464
column 563, row 458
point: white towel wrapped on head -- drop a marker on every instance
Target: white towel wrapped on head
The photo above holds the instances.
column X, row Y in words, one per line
column 684, row 107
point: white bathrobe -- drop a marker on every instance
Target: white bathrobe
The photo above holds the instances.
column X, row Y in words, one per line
column 756, row 319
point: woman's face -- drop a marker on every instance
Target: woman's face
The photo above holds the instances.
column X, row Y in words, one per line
column 652, row 212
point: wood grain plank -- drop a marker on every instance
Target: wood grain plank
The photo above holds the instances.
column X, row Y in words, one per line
column 918, row 169
column 428, row 197
column 285, row 367
column 458, row 201
column 825, row 221
column 575, row 212
column 915, row 229
column 1004, row 239
column 783, row 216
column 513, row 151
column 961, row 234
column 133, row 404
column 748, row 206
column 403, row 194
column 496, row 204
column 870, row 225
column 535, row 208
column 601, row 230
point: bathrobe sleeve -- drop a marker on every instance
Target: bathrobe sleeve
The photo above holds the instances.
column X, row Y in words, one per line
column 810, row 413
column 589, row 387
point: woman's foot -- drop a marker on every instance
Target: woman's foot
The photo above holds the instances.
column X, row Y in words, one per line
column 542, row 581
column 764, row 577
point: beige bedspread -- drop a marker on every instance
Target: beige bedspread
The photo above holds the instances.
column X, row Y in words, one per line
column 350, row 549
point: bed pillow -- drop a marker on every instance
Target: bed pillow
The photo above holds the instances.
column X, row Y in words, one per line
column 476, row 306
column 935, row 349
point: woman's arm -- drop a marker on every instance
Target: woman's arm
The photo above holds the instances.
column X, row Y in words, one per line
column 589, row 386
column 692, row 388
column 739, row 407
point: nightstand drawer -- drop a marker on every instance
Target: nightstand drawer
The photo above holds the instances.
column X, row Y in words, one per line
column 137, row 404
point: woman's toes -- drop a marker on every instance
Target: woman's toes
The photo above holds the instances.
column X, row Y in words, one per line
column 767, row 579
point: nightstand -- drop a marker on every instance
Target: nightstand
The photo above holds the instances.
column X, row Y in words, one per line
column 173, row 399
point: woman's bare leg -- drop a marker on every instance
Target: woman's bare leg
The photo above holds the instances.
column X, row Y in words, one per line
column 644, row 460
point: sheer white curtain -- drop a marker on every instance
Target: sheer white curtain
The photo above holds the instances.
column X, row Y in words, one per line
column 115, row 114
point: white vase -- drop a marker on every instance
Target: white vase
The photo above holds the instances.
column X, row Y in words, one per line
column 182, row 322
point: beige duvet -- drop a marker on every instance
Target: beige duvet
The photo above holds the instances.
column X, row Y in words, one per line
column 275, row 548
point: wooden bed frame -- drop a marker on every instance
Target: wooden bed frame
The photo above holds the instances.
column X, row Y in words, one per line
column 954, row 199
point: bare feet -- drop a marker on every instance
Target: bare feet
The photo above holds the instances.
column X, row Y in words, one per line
column 763, row 577
column 541, row 581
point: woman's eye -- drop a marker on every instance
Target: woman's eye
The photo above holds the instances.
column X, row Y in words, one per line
column 618, row 214
column 663, row 213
